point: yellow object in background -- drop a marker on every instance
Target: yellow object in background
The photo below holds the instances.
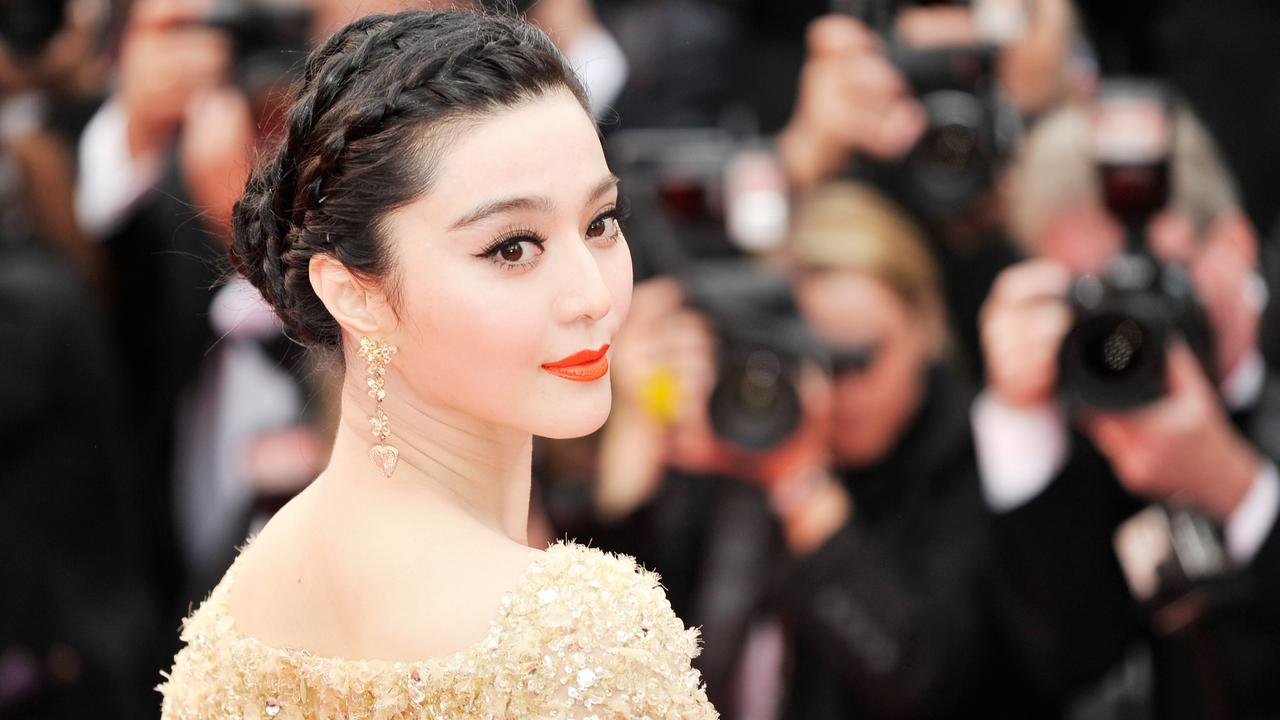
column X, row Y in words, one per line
column 660, row 396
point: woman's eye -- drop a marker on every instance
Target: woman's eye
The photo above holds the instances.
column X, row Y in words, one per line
column 603, row 226
column 514, row 252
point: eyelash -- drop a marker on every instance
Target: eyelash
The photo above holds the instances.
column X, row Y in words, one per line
column 521, row 235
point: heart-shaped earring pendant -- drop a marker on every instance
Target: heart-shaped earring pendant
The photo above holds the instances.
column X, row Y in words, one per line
column 385, row 457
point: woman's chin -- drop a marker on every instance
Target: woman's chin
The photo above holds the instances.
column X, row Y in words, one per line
column 578, row 419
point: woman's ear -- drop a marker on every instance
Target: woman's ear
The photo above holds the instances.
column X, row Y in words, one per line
column 356, row 306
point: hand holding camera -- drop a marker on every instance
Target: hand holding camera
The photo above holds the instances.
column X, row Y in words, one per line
column 1179, row 447
column 209, row 67
column 167, row 59
column 1023, row 323
column 851, row 100
column 1182, row 448
column 663, row 367
column 216, row 152
column 664, row 373
column 699, row 412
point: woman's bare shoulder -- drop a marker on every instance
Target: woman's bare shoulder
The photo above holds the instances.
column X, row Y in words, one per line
column 364, row 590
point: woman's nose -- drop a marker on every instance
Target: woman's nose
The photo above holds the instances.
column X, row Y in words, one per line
column 584, row 294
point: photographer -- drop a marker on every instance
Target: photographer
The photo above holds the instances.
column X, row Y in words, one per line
column 852, row 101
column 840, row 573
column 1062, row 478
column 880, row 103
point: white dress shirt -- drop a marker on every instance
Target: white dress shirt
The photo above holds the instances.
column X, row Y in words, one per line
column 110, row 181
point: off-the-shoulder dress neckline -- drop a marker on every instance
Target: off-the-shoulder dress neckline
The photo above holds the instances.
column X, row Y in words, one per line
column 225, row 622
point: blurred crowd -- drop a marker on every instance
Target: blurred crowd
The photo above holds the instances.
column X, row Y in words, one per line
column 948, row 387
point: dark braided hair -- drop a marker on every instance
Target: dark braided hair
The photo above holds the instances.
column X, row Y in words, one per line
column 362, row 138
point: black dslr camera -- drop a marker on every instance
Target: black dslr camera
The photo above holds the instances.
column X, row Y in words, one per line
column 270, row 41
column 755, row 403
column 969, row 129
column 1114, row 356
column 27, row 26
column 698, row 206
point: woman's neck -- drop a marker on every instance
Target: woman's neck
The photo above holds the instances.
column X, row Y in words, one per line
column 463, row 463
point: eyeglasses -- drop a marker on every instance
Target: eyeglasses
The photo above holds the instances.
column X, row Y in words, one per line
column 856, row 359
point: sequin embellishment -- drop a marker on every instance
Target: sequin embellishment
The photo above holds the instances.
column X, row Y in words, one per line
column 584, row 633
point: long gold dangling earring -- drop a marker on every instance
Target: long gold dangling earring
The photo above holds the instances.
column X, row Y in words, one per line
column 377, row 353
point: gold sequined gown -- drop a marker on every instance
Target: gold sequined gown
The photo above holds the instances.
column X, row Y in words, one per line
column 584, row 634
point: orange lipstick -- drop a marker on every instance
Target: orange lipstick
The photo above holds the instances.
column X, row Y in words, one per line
column 582, row 366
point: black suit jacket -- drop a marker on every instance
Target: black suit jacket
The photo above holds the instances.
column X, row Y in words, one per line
column 893, row 617
column 1064, row 590
column 165, row 264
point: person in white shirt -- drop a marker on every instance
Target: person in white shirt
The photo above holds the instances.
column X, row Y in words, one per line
column 1060, row 481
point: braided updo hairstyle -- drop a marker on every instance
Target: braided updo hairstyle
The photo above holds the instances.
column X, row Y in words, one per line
column 363, row 137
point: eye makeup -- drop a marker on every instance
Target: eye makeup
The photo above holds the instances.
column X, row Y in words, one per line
column 510, row 250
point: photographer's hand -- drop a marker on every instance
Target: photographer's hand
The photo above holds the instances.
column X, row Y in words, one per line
column 1033, row 69
column 165, row 60
column 1023, row 323
column 1032, row 64
column 851, row 99
column 662, row 367
column 216, row 152
column 808, row 499
column 1181, row 449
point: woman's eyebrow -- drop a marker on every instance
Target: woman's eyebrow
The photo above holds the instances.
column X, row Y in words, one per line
column 540, row 203
column 602, row 187
column 502, row 205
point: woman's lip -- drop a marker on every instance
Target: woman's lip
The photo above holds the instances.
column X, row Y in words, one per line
column 583, row 366
column 583, row 372
column 582, row 357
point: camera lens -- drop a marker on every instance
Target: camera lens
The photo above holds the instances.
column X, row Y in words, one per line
column 758, row 386
column 1115, row 353
column 950, row 165
column 1115, row 360
column 950, row 149
column 755, row 403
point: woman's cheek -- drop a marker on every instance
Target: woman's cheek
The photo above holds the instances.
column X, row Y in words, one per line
column 618, row 272
column 484, row 342
column 503, row 333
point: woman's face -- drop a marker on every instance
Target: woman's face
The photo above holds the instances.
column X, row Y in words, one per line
column 873, row 405
column 514, row 260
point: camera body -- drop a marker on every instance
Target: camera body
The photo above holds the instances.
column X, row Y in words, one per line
column 270, row 41
column 1113, row 358
column 763, row 342
column 969, row 129
column 687, row 186
column 954, row 162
